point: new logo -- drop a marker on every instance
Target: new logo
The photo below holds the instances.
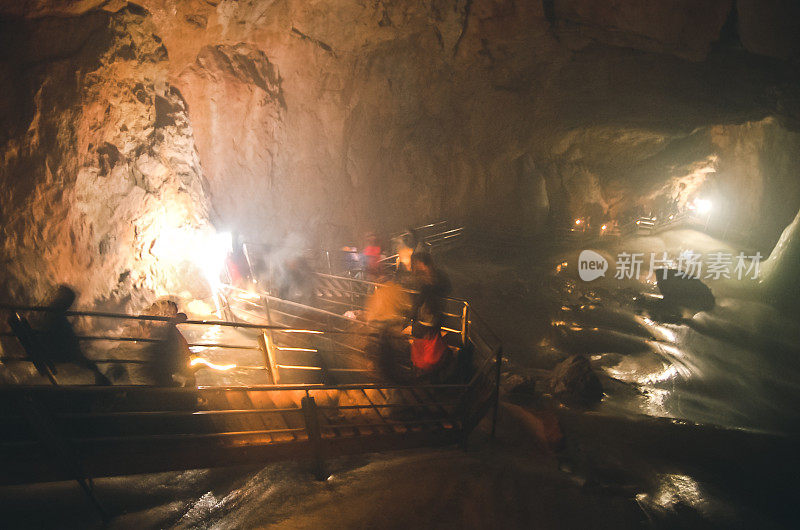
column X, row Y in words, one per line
column 591, row 265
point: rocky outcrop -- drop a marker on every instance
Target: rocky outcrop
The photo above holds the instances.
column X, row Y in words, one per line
column 102, row 170
column 519, row 387
column 449, row 108
column 684, row 292
column 573, row 382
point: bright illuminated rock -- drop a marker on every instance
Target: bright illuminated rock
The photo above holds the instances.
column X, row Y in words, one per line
column 106, row 164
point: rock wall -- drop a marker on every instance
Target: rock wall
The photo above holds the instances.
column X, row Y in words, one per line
column 236, row 101
column 682, row 27
column 770, row 27
column 319, row 120
column 386, row 114
column 99, row 163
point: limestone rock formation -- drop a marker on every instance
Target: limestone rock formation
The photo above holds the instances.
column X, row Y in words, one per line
column 101, row 168
column 238, row 85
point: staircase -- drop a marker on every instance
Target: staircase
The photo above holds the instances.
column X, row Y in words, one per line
column 105, row 431
column 321, row 399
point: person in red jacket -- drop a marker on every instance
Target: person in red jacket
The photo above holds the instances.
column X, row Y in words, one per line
column 371, row 255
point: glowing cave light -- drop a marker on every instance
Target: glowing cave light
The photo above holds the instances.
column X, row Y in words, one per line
column 211, row 259
column 182, row 249
column 702, row 205
column 220, row 367
column 176, row 242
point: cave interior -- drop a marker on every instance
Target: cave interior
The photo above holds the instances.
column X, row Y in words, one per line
column 134, row 134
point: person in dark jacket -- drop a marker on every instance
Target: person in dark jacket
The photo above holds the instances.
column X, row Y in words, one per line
column 386, row 310
column 170, row 357
column 428, row 349
column 58, row 337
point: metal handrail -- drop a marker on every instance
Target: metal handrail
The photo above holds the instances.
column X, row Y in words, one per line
column 420, row 228
column 247, row 325
column 395, row 235
column 460, row 301
column 100, row 338
column 473, row 315
column 148, row 340
column 159, row 414
column 376, row 284
column 318, row 310
column 229, row 388
column 222, row 323
column 474, row 329
column 466, row 410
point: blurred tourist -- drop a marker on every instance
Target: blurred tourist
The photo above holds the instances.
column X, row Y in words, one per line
column 236, row 262
column 428, row 350
column 352, row 262
column 406, row 245
column 169, row 363
column 387, row 310
column 297, row 281
column 58, row 337
column 371, row 256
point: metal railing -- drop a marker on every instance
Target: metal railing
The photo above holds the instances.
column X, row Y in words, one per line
column 684, row 219
column 276, row 327
column 311, row 416
column 151, row 341
column 463, row 327
column 324, row 324
column 467, row 404
column 435, row 236
column 351, row 294
column 464, row 330
column 639, row 226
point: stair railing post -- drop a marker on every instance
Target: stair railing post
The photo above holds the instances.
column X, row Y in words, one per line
column 464, row 324
column 269, row 343
column 251, row 272
column 311, row 417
